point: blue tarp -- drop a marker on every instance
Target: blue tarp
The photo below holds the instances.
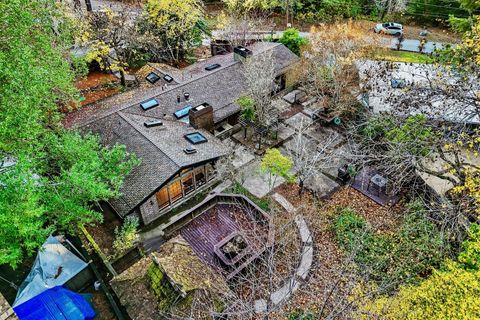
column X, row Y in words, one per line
column 56, row 303
column 53, row 267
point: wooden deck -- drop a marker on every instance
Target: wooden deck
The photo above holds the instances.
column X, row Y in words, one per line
column 364, row 185
column 205, row 232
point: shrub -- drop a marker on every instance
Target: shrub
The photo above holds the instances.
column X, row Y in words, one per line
column 126, row 236
column 247, row 106
column 348, row 228
column 292, row 40
column 470, row 255
column 392, row 259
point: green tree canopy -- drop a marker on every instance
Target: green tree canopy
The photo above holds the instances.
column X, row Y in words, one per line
column 49, row 177
column 449, row 293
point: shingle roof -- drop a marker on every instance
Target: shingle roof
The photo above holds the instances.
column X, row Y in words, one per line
column 120, row 120
column 154, row 169
column 219, row 88
column 159, row 148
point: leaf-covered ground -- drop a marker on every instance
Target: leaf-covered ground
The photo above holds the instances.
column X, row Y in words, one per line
column 328, row 283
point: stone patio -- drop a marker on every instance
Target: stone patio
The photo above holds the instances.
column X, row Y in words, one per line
column 256, row 182
column 321, row 185
column 242, row 156
column 299, row 121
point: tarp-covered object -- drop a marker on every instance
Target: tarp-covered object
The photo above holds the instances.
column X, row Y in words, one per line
column 54, row 266
column 57, row 303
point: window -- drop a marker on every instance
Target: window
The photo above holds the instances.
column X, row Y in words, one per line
column 195, row 138
column 200, row 178
column 182, row 112
column 162, row 198
column 211, row 173
column 149, row 104
column 152, row 77
column 175, row 190
column 187, row 182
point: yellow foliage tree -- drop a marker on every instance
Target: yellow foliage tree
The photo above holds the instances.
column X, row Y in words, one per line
column 177, row 24
column 109, row 36
column 451, row 293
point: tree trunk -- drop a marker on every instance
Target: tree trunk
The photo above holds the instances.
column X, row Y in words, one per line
column 302, row 187
column 88, row 3
column 123, row 82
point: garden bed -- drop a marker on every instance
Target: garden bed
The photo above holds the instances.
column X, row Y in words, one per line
column 104, row 234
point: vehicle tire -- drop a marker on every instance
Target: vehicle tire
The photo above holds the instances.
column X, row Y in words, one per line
column 398, row 34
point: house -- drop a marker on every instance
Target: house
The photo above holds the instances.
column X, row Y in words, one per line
column 171, row 126
column 386, row 86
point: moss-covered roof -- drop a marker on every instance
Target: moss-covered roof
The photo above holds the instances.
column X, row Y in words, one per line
column 132, row 287
column 187, row 272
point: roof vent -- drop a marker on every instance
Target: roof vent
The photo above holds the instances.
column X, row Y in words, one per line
column 153, row 123
column 190, row 149
column 212, row 66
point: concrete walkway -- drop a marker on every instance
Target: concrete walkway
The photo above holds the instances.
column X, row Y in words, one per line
column 283, row 202
column 293, row 283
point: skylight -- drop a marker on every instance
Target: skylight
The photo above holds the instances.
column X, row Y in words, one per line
column 167, row 78
column 149, row 104
column 183, row 112
column 195, row 138
column 152, row 77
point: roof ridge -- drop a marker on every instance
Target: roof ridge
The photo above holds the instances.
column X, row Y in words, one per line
column 134, row 125
column 129, row 104
column 125, row 106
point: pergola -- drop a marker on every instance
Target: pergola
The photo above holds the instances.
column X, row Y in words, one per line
column 260, row 130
